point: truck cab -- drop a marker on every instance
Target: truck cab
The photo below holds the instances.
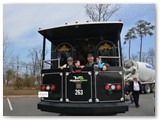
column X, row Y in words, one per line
column 87, row 91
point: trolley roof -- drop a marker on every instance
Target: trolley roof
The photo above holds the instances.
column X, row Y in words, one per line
column 85, row 30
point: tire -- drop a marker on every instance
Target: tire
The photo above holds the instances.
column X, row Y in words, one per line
column 147, row 89
column 153, row 88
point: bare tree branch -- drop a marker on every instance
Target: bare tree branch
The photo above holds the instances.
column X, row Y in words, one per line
column 35, row 55
column 101, row 12
column 7, row 52
column 151, row 57
column 7, row 49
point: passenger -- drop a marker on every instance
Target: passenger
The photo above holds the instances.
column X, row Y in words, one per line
column 127, row 92
column 90, row 60
column 77, row 64
column 136, row 89
column 101, row 65
column 69, row 64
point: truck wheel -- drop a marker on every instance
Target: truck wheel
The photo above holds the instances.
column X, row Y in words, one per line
column 147, row 89
column 153, row 88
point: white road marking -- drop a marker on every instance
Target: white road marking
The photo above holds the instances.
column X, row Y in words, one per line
column 10, row 105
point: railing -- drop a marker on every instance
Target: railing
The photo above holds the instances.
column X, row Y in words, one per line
column 49, row 62
column 109, row 56
column 114, row 57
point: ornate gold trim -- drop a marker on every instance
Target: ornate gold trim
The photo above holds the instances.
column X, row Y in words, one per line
column 64, row 48
column 105, row 46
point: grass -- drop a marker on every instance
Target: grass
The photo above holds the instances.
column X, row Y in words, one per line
column 24, row 91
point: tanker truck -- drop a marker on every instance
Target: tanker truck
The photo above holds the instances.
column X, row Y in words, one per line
column 144, row 71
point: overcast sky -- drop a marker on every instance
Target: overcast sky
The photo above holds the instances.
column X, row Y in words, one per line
column 21, row 22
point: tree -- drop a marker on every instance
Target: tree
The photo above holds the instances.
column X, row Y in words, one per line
column 7, row 52
column 17, row 64
column 36, row 64
column 28, row 81
column 123, row 56
column 151, row 57
column 101, row 12
column 130, row 35
column 18, row 83
column 36, row 60
column 7, row 48
column 9, row 76
column 134, row 57
column 143, row 28
column 144, row 57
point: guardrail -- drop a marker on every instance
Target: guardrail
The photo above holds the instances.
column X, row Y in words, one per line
column 49, row 61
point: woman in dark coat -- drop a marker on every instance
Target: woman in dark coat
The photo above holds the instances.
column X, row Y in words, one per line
column 136, row 89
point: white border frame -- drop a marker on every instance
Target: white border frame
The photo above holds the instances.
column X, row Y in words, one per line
column 66, row 97
column 61, row 99
column 96, row 73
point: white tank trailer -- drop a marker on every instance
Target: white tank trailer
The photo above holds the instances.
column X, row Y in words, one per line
column 144, row 71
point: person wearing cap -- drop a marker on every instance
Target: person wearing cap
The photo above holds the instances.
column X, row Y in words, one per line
column 69, row 64
column 136, row 89
column 90, row 60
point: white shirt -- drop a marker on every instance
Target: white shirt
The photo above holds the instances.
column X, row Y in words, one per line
column 136, row 86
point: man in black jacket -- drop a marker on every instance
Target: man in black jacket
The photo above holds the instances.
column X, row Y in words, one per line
column 136, row 89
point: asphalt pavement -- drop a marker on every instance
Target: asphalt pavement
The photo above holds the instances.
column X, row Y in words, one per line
column 27, row 106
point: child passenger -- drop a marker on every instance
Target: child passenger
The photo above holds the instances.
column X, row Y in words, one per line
column 77, row 64
column 101, row 65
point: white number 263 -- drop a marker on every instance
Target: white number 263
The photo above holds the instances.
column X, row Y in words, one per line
column 78, row 92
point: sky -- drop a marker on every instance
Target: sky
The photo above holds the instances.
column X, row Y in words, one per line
column 22, row 21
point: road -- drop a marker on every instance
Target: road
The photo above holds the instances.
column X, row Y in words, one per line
column 21, row 106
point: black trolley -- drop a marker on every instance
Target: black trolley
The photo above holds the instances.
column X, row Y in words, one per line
column 85, row 91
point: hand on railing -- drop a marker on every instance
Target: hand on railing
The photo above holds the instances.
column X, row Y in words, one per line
column 61, row 67
column 82, row 66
